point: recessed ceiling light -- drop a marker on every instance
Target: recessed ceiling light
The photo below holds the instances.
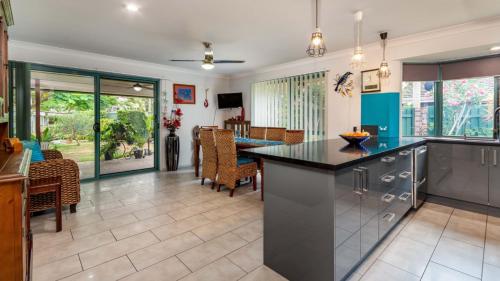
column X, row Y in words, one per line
column 131, row 7
column 495, row 48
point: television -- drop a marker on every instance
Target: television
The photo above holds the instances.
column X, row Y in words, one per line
column 230, row 100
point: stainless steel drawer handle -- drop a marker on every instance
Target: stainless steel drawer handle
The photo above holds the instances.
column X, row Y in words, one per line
column 388, row 178
column 405, row 152
column 405, row 175
column 494, row 157
column 357, row 181
column 404, row 196
column 388, row 159
column 389, row 217
column 388, row 197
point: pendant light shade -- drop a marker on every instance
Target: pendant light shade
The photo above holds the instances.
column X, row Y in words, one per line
column 384, row 71
column 358, row 57
column 317, row 46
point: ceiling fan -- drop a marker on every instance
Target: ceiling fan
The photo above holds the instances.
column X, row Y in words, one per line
column 208, row 62
column 138, row 87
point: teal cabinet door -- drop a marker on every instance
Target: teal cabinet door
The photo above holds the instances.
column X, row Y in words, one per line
column 381, row 110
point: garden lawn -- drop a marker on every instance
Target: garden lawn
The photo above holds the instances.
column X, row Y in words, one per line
column 79, row 153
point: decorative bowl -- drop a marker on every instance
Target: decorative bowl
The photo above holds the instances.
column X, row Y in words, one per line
column 355, row 140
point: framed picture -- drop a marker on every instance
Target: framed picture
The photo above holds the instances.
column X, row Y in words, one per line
column 370, row 82
column 184, row 94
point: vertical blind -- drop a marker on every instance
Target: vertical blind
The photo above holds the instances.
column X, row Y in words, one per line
column 297, row 103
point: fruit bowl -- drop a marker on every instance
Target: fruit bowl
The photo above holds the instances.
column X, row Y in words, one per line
column 355, row 139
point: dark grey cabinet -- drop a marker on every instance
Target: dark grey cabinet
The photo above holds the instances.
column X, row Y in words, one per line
column 459, row 171
column 494, row 176
column 367, row 206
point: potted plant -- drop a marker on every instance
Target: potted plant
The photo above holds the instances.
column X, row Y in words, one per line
column 45, row 139
column 138, row 150
column 113, row 135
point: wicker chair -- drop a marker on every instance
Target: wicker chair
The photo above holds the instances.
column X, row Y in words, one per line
column 258, row 133
column 228, row 169
column 276, row 134
column 55, row 166
column 209, row 162
column 294, row 136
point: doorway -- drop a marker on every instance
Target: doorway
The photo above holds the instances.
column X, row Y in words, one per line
column 107, row 123
column 127, row 127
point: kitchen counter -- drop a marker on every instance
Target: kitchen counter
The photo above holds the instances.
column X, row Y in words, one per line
column 327, row 204
column 332, row 154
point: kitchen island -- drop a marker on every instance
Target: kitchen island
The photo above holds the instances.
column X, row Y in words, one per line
column 327, row 205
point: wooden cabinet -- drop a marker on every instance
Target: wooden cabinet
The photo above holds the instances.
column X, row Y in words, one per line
column 15, row 239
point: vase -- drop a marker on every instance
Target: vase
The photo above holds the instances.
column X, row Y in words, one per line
column 171, row 132
column 172, row 146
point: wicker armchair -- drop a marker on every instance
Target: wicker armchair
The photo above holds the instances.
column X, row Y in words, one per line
column 55, row 166
column 258, row 133
column 228, row 169
column 209, row 162
column 294, row 136
column 275, row 134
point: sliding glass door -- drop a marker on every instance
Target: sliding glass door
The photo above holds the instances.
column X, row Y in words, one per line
column 127, row 125
column 106, row 123
column 62, row 116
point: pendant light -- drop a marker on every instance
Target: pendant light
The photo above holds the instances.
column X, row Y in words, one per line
column 358, row 58
column 383, row 71
column 317, row 46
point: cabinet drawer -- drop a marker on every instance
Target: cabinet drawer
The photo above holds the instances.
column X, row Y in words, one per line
column 404, row 159
column 388, row 218
column 387, row 163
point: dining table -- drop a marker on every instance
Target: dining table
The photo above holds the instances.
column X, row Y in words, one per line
column 241, row 143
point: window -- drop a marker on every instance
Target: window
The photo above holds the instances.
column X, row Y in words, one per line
column 418, row 108
column 468, row 106
column 297, row 103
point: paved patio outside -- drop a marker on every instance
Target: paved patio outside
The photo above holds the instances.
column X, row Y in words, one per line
column 115, row 166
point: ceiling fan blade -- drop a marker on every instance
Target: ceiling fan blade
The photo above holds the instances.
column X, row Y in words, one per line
column 186, row 60
column 229, row 61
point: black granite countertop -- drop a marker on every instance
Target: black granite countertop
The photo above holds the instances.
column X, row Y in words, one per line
column 332, row 154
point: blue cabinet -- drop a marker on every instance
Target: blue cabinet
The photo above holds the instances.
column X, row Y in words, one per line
column 381, row 110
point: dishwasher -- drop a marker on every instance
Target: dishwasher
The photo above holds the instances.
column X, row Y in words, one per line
column 419, row 171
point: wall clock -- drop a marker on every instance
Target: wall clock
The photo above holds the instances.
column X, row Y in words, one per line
column 370, row 81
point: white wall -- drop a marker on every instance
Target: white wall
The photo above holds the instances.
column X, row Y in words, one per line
column 193, row 114
column 344, row 113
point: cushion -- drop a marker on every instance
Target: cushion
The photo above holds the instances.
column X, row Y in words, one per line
column 244, row 160
column 36, row 151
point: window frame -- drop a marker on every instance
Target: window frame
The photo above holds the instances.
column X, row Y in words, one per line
column 438, row 108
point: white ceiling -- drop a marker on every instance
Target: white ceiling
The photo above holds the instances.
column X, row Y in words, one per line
column 262, row 32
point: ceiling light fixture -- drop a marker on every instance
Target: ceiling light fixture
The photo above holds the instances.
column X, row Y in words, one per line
column 383, row 71
column 137, row 87
column 207, row 65
column 208, row 62
column 358, row 58
column 317, row 46
column 131, row 7
column 495, row 48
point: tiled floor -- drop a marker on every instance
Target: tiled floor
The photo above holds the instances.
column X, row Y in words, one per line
column 161, row 226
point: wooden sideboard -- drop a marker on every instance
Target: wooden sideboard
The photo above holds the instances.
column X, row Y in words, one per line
column 15, row 239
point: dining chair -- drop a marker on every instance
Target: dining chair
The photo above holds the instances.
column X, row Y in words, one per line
column 275, row 134
column 294, row 136
column 209, row 162
column 258, row 133
column 230, row 167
